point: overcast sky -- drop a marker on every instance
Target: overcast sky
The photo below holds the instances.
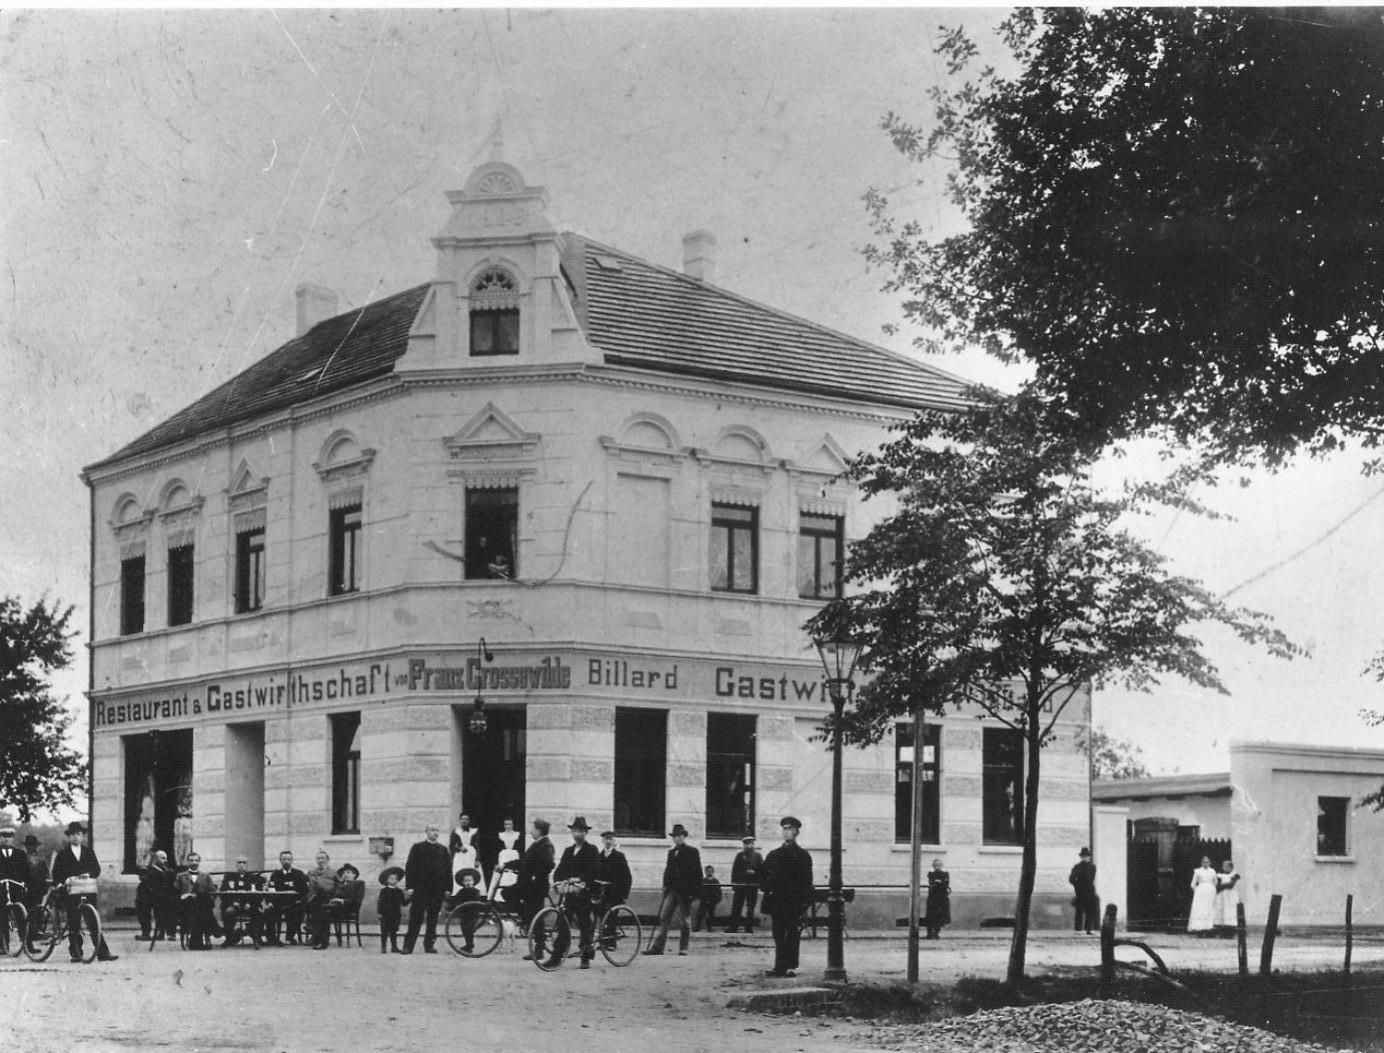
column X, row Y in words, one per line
column 168, row 178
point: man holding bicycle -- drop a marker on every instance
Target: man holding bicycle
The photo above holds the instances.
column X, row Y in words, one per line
column 14, row 866
column 578, row 866
column 78, row 861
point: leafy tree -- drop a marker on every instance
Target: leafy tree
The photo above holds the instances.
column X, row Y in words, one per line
column 1175, row 214
column 1004, row 551
column 1113, row 758
column 37, row 767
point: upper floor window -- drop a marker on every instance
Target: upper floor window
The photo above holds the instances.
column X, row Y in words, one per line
column 1332, row 814
column 492, row 533
column 734, row 548
column 344, row 545
column 494, row 313
column 1002, row 762
column 820, row 540
column 249, row 569
column 132, row 595
column 180, row 579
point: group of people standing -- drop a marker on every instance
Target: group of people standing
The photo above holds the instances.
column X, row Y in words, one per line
column 1214, row 898
column 75, row 860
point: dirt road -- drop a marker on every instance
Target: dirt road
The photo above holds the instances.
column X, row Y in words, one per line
column 294, row 999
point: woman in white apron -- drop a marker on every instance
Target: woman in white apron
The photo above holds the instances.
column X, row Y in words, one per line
column 1203, row 914
column 463, row 849
column 503, row 878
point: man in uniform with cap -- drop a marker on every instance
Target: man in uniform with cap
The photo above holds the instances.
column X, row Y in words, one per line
column 579, row 863
column 530, row 888
column 788, row 888
column 248, row 910
column 745, row 873
column 682, row 879
column 14, row 866
column 77, row 860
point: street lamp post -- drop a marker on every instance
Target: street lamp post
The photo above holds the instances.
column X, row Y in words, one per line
column 839, row 655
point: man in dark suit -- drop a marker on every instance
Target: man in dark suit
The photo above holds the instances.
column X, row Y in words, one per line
column 613, row 869
column 197, row 898
column 530, row 888
column 682, row 880
column 38, row 873
column 428, row 876
column 14, row 866
column 247, row 910
column 287, row 878
column 579, row 864
column 745, row 873
column 788, row 888
column 77, row 861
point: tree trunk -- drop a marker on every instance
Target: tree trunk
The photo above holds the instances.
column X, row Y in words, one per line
column 1029, row 868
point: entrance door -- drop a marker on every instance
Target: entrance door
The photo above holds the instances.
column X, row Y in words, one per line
column 493, row 773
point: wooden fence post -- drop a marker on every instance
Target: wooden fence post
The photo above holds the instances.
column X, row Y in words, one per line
column 1350, row 935
column 1270, row 934
column 1240, row 938
column 1107, row 951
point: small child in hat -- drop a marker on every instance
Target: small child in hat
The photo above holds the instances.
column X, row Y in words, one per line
column 468, row 891
column 391, row 908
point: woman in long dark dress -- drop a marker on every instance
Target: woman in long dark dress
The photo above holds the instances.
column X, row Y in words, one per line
column 938, row 900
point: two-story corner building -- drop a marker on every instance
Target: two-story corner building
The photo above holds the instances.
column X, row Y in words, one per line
column 625, row 481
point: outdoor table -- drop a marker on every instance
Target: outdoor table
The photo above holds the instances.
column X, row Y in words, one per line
column 237, row 893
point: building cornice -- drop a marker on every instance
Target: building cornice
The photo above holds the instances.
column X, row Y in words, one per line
column 396, row 384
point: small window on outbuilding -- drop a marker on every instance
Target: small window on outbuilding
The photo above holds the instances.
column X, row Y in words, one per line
column 1332, row 816
column 494, row 313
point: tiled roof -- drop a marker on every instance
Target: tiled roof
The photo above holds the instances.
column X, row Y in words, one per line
column 655, row 318
column 637, row 314
column 1216, row 784
column 338, row 353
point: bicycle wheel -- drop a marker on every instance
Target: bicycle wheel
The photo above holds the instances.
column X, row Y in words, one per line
column 43, row 934
column 90, row 920
column 620, row 936
column 474, row 929
column 16, row 925
column 550, row 935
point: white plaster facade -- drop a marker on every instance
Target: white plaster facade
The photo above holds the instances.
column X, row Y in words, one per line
column 616, row 469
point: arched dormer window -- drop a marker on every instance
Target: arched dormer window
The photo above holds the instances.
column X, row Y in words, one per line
column 494, row 313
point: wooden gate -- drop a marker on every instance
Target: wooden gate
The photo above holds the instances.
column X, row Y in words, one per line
column 1159, row 876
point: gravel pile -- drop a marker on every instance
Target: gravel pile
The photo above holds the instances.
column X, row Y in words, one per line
column 1083, row 1027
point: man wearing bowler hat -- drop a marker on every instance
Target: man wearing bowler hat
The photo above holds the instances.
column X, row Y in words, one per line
column 75, row 861
column 579, row 864
column 682, row 879
column 788, row 888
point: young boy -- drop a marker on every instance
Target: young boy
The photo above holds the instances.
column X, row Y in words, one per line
column 468, row 879
column 705, row 910
column 391, row 908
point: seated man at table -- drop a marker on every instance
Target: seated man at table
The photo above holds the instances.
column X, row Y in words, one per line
column 344, row 902
column 322, row 882
column 287, row 879
column 196, row 894
column 245, row 911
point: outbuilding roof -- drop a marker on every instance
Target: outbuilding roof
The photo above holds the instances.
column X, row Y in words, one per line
column 636, row 313
column 1215, row 784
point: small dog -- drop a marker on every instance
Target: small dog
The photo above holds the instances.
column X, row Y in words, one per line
column 509, row 933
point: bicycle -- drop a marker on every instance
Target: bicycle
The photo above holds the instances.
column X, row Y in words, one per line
column 617, row 934
column 475, row 928
column 16, row 916
column 48, row 924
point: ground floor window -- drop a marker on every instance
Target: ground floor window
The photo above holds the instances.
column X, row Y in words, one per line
column 730, row 741
column 1332, row 813
column 641, row 763
column 345, row 773
column 158, row 796
column 903, row 783
column 1003, row 790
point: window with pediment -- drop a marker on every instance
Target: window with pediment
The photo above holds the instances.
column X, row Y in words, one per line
column 494, row 313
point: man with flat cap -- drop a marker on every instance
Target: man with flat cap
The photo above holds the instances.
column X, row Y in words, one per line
column 578, row 864
column 682, row 879
column 530, row 888
column 14, row 866
column 788, row 888
column 76, row 861
column 745, row 872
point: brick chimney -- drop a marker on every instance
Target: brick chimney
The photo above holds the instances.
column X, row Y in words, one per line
column 699, row 255
column 315, row 304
